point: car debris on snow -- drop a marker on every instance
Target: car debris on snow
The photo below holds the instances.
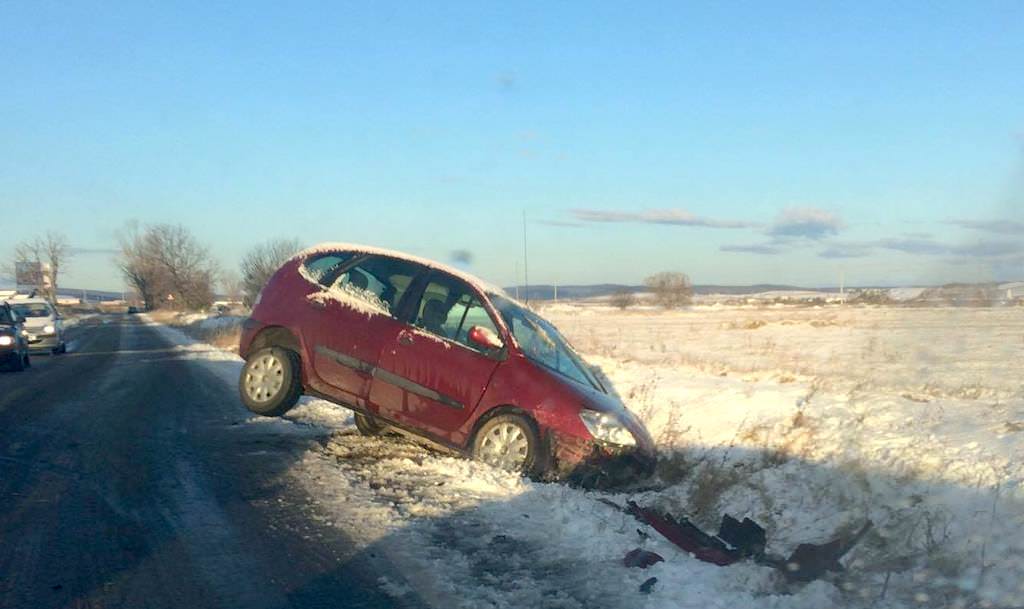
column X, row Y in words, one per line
column 641, row 559
column 738, row 541
column 648, row 585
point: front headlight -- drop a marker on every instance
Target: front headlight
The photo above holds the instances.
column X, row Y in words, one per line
column 49, row 329
column 6, row 341
column 606, row 428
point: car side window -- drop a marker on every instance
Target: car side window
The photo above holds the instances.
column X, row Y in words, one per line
column 321, row 268
column 378, row 281
column 449, row 308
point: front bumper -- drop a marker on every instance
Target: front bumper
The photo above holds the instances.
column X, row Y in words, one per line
column 594, row 464
column 40, row 342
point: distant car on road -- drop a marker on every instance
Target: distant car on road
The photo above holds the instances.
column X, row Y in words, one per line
column 411, row 344
column 43, row 324
column 13, row 343
column 133, row 310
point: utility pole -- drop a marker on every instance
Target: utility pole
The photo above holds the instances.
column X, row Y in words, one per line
column 515, row 274
column 526, row 268
column 556, row 291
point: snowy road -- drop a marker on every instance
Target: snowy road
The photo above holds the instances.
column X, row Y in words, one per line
column 122, row 485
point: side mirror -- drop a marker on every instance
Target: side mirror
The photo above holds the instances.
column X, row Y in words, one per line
column 19, row 318
column 485, row 338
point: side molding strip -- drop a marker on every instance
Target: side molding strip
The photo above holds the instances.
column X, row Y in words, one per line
column 389, row 377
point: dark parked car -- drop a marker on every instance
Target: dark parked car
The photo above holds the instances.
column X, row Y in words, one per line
column 13, row 342
column 411, row 344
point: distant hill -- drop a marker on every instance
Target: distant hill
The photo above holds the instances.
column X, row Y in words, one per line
column 576, row 292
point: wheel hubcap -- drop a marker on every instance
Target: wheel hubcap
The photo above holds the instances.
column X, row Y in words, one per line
column 505, row 446
column 264, row 378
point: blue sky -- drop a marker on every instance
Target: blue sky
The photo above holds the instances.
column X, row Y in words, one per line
column 741, row 143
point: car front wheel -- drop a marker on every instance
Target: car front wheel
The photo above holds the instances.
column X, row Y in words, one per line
column 511, row 443
column 271, row 381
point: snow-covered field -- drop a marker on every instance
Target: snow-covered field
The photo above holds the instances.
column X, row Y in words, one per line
column 808, row 420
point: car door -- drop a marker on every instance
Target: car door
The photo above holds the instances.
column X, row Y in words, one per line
column 355, row 319
column 431, row 376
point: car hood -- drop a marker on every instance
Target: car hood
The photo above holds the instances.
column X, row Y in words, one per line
column 36, row 323
column 604, row 402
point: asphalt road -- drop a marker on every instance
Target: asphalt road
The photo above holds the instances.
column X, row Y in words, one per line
column 124, row 482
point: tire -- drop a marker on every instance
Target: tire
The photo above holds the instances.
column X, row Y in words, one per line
column 510, row 442
column 271, row 381
column 369, row 426
column 18, row 362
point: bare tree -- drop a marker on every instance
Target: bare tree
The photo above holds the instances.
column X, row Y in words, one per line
column 670, row 289
column 46, row 256
column 231, row 284
column 623, row 299
column 165, row 263
column 260, row 262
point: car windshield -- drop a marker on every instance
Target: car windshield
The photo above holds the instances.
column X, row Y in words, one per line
column 32, row 309
column 542, row 343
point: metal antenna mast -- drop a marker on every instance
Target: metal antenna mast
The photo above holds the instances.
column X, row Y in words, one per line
column 526, row 272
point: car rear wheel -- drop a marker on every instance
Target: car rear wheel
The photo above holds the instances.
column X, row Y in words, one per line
column 509, row 442
column 369, row 426
column 271, row 381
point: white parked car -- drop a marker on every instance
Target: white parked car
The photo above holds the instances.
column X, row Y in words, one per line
column 44, row 328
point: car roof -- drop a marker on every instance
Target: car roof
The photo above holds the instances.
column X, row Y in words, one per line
column 37, row 300
column 324, row 248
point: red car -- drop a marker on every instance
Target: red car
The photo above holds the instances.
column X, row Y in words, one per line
column 411, row 344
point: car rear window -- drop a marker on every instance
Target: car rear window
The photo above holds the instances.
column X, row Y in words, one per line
column 323, row 267
column 378, row 280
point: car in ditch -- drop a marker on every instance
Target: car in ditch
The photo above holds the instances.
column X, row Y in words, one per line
column 414, row 345
column 13, row 343
column 44, row 327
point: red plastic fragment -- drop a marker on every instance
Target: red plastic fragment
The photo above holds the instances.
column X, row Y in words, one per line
column 685, row 535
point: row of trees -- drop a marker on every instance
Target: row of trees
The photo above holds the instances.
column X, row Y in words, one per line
column 164, row 264
column 168, row 267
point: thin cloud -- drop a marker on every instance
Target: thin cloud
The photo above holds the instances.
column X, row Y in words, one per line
column 915, row 246
column 673, row 217
column 845, row 250
column 765, row 249
column 930, row 247
column 808, row 222
column 989, row 249
column 560, row 223
column 1002, row 227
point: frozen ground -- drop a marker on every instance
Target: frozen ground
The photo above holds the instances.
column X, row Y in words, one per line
column 809, row 421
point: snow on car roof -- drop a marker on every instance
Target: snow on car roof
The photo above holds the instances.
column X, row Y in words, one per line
column 323, row 248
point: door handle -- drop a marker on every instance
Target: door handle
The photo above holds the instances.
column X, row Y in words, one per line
column 405, row 338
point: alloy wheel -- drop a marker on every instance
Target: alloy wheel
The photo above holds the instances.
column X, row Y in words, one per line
column 505, row 446
column 264, row 377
